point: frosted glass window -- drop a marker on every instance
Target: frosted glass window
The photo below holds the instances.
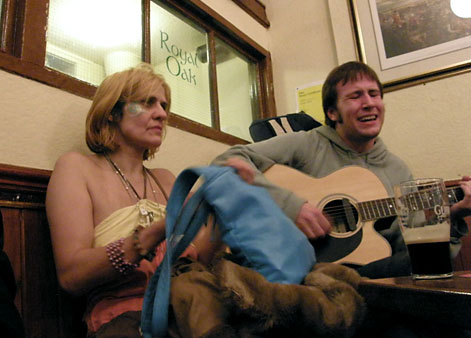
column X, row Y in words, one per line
column 178, row 51
column 90, row 39
column 237, row 91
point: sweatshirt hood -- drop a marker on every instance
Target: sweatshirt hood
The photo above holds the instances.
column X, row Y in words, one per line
column 375, row 155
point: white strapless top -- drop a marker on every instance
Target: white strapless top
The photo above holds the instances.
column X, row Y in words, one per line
column 122, row 222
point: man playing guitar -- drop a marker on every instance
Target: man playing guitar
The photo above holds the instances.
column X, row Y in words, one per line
column 354, row 114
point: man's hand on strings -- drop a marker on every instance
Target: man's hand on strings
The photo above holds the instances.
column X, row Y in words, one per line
column 312, row 222
column 463, row 207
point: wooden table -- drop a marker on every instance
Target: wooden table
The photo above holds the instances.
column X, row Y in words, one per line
column 442, row 301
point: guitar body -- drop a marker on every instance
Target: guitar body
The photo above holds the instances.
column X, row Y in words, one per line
column 353, row 240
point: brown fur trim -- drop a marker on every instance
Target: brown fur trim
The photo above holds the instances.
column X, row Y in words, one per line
column 328, row 306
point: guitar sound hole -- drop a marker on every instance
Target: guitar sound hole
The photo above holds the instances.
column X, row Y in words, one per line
column 343, row 215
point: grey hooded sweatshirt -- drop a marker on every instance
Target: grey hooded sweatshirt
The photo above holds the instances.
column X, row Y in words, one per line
column 318, row 153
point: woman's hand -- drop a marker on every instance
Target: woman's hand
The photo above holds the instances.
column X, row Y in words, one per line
column 244, row 169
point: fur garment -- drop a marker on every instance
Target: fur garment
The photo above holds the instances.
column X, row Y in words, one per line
column 326, row 305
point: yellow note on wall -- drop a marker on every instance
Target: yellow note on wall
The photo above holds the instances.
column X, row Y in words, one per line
column 309, row 100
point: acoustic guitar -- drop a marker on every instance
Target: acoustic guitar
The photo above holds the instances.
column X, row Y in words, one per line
column 354, row 198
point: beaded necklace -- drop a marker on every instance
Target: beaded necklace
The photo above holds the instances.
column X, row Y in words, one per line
column 126, row 182
column 148, row 216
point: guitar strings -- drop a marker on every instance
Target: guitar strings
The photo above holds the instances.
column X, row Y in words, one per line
column 379, row 208
column 382, row 207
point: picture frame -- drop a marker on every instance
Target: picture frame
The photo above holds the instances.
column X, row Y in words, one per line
column 425, row 48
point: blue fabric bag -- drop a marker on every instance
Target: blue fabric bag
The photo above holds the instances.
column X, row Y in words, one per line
column 251, row 224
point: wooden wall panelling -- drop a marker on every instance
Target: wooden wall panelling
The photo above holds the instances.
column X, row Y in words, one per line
column 41, row 287
column 36, row 279
column 45, row 309
column 12, row 247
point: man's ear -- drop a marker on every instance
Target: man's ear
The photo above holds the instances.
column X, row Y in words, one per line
column 333, row 114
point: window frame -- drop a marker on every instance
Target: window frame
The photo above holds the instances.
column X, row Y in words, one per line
column 23, row 52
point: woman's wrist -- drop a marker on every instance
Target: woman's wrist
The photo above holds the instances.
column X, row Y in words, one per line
column 146, row 239
column 116, row 256
column 147, row 254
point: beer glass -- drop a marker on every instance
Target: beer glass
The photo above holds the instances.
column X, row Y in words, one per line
column 424, row 216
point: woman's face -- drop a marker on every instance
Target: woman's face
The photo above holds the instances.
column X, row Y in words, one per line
column 142, row 124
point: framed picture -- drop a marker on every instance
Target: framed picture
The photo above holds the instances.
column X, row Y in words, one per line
column 408, row 42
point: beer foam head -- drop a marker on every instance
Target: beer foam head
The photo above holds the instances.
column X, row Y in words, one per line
column 426, row 234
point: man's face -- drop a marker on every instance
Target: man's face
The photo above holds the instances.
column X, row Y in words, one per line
column 359, row 114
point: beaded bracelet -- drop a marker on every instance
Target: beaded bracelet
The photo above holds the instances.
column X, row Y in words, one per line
column 115, row 253
column 143, row 253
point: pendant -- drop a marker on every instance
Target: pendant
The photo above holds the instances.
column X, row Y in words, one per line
column 148, row 215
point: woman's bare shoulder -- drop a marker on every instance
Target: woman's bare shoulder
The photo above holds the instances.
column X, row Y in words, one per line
column 163, row 173
column 76, row 164
column 74, row 159
column 68, row 182
column 165, row 177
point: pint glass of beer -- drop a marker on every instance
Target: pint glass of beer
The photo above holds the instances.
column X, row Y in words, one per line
column 424, row 216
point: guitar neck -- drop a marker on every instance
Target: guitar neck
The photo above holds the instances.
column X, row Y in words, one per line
column 455, row 194
column 373, row 210
column 386, row 207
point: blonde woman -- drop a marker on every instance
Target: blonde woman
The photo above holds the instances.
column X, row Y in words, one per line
column 107, row 210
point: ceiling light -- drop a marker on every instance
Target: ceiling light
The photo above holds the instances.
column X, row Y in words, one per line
column 461, row 8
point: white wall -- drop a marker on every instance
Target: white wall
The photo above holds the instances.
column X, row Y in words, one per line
column 301, row 46
column 429, row 127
